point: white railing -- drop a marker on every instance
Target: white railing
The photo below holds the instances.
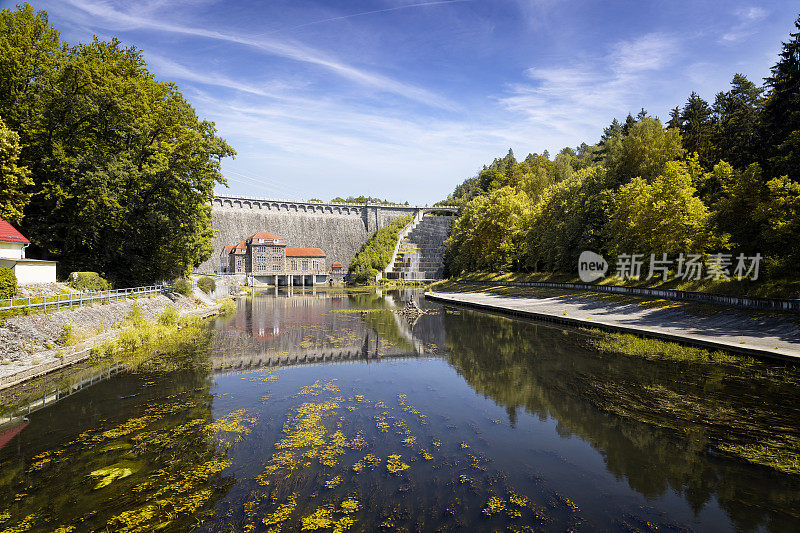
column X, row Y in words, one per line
column 80, row 299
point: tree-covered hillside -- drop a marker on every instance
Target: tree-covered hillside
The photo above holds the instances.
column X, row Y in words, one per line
column 717, row 177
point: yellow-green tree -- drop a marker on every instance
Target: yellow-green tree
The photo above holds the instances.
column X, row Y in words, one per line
column 662, row 216
column 490, row 233
column 13, row 177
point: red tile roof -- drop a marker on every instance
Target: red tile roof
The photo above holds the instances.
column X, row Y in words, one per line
column 239, row 249
column 9, row 234
column 229, row 249
column 336, row 264
column 304, row 252
column 267, row 237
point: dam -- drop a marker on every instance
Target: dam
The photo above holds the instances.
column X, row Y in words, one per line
column 338, row 229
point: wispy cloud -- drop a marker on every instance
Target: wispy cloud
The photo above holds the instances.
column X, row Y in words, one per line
column 748, row 18
column 105, row 14
column 365, row 13
column 568, row 100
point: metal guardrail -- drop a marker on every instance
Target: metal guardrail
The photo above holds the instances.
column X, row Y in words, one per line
column 79, row 299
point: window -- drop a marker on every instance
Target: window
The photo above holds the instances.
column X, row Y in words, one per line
column 294, row 264
column 277, row 259
column 315, row 265
column 276, row 268
column 305, row 264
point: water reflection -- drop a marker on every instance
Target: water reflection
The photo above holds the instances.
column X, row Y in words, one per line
column 661, row 426
column 329, row 410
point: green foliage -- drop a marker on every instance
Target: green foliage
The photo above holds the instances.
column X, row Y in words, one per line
column 67, row 335
column 8, row 283
column 489, row 235
column 104, row 140
column 643, row 152
column 13, row 178
column 135, row 316
column 227, row 307
column 721, row 177
column 206, row 284
column 88, row 281
column 376, row 253
column 182, row 286
column 662, row 216
column 169, row 317
column 568, row 219
column 782, row 111
column 360, row 200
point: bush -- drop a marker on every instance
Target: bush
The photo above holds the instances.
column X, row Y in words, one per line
column 8, row 283
column 206, row 284
column 169, row 317
column 376, row 253
column 88, row 281
column 182, row 286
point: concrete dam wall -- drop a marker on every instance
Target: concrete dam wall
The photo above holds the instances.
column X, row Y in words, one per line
column 339, row 229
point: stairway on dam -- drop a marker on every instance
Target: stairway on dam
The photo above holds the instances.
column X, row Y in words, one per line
column 420, row 254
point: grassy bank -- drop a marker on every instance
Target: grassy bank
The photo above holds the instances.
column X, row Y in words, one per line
column 786, row 288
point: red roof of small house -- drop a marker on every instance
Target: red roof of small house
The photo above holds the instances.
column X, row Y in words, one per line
column 336, row 264
column 9, row 234
column 304, row 252
column 267, row 237
column 228, row 249
column 239, row 249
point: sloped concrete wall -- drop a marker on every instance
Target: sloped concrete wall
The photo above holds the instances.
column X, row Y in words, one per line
column 339, row 229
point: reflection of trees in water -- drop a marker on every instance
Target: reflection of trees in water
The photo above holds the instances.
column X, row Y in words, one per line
column 135, row 452
column 657, row 423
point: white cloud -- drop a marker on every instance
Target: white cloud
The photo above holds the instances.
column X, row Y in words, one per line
column 104, row 14
column 748, row 17
column 570, row 100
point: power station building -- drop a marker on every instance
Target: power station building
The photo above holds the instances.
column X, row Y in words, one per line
column 267, row 259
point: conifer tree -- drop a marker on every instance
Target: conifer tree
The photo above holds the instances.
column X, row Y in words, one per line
column 782, row 111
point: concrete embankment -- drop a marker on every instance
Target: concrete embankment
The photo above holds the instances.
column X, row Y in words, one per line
column 756, row 334
column 34, row 345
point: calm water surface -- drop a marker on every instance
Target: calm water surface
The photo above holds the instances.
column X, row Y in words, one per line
column 328, row 411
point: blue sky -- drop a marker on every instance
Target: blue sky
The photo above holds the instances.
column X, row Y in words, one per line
column 404, row 99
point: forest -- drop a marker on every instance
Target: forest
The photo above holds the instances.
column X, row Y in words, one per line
column 103, row 167
column 719, row 177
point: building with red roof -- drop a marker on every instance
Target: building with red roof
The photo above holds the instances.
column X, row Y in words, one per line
column 12, row 257
column 265, row 257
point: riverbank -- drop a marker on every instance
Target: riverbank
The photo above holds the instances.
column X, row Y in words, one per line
column 37, row 344
column 784, row 288
column 751, row 333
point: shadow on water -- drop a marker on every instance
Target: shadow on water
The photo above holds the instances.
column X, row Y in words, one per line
column 330, row 411
column 660, row 425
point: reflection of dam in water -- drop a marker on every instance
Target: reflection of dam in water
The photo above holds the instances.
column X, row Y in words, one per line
column 310, row 328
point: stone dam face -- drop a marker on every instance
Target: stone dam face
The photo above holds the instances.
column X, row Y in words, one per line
column 339, row 229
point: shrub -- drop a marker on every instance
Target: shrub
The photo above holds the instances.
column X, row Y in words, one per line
column 182, row 286
column 228, row 307
column 88, row 281
column 8, row 283
column 169, row 317
column 206, row 284
column 376, row 253
column 67, row 335
column 135, row 316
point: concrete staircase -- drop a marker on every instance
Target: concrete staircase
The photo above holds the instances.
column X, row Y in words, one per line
column 420, row 253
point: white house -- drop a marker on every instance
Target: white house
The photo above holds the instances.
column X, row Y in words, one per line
column 12, row 256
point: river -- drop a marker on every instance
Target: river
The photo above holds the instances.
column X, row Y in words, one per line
column 329, row 411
